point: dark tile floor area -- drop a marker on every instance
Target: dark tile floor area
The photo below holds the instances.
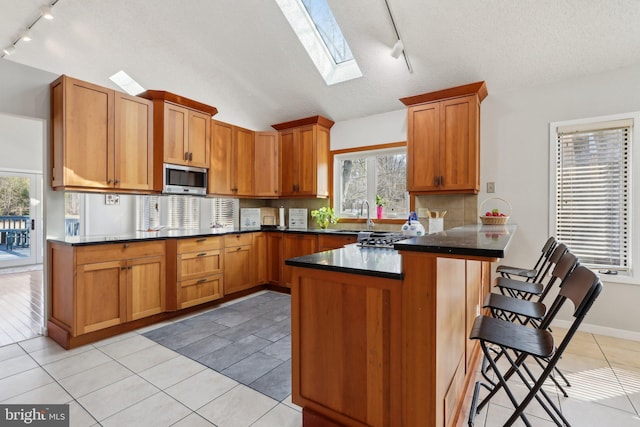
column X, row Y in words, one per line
column 249, row 341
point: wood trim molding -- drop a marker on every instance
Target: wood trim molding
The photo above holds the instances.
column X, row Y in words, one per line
column 477, row 88
column 180, row 100
column 313, row 120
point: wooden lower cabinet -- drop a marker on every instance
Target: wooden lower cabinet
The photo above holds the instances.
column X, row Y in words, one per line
column 294, row 245
column 238, row 260
column 198, row 273
column 332, row 241
column 98, row 286
column 275, row 261
column 260, row 258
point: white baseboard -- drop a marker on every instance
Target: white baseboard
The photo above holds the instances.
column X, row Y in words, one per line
column 600, row 330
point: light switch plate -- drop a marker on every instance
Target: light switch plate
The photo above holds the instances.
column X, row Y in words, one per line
column 491, row 187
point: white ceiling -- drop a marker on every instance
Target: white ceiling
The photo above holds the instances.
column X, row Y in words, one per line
column 243, row 58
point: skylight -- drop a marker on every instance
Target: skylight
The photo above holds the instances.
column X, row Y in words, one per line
column 126, row 83
column 319, row 33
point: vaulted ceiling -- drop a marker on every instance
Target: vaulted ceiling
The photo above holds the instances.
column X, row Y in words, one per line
column 242, row 56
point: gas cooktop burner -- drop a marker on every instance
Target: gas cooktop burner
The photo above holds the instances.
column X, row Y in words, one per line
column 381, row 240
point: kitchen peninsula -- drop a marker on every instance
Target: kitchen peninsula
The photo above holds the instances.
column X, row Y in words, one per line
column 374, row 345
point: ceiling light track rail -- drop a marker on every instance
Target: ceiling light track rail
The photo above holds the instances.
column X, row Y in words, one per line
column 25, row 35
column 398, row 47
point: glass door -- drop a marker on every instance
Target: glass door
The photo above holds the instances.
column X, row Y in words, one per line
column 20, row 219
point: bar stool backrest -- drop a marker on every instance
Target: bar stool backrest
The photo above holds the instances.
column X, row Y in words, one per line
column 552, row 260
column 563, row 267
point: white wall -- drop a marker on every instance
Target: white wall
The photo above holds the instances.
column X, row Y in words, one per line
column 515, row 155
column 23, row 138
column 101, row 218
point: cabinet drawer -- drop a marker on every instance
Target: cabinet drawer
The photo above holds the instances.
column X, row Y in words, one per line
column 118, row 251
column 326, row 242
column 238, row 239
column 198, row 264
column 197, row 291
column 199, row 244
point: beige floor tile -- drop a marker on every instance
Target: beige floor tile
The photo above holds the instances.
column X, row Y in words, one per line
column 10, row 351
column 114, row 339
column 586, row 414
column 201, row 388
column 124, row 347
column 77, row 363
column 282, row 416
column 100, row 376
column 287, row 401
column 153, row 327
column 193, row 420
column 79, row 417
column 577, row 363
column 623, row 357
column 54, row 352
column 17, row 364
column 628, row 377
column 497, row 415
column 613, row 342
column 47, row 394
column 148, row 357
column 172, row 371
column 23, row 382
column 157, row 410
column 37, row 343
column 239, row 407
column 115, row 397
column 520, row 391
column 599, row 386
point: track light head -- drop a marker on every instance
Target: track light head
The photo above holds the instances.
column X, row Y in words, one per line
column 25, row 36
column 397, row 49
column 9, row 50
column 45, row 11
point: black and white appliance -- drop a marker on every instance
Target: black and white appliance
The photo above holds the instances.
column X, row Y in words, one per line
column 179, row 179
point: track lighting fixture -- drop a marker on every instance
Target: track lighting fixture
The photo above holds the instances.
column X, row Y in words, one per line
column 25, row 36
column 398, row 48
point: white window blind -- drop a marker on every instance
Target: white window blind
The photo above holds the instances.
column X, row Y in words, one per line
column 147, row 212
column 225, row 212
column 592, row 192
column 183, row 212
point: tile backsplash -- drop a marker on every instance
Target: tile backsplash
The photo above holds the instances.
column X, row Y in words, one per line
column 462, row 209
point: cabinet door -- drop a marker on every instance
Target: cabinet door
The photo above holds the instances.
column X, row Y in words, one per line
column 321, row 168
column 176, row 122
column 220, row 177
column 145, row 287
column 266, row 164
column 260, row 260
column 199, row 138
column 244, row 147
column 306, row 159
column 288, row 163
column 238, row 272
column 274, row 258
column 459, row 144
column 100, row 298
column 474, row 303
column 423, row 147
column 88, row 135
column 296, row 245
column 133, row 143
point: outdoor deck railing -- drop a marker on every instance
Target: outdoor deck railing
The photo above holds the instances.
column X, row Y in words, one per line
column 14, row 231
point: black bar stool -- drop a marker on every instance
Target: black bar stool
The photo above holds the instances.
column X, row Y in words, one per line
column 519, row 343
column 530, row 274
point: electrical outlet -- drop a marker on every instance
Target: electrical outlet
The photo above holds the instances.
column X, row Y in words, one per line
column 491, row 187
column 111, row 199
column 422, row 212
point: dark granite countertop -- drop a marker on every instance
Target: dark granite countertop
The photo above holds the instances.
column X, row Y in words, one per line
column 490, row 241
column 178, row 234
column 377, row 262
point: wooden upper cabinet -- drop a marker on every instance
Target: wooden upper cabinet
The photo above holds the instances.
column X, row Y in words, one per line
column 101, row 139
column 267, row 177
column 443, row 140
column 232, row 160
column 181, row 131
column 133, row 150
column 304, row 157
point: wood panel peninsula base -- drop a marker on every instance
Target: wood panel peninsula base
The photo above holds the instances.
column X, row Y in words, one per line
column 377, row 345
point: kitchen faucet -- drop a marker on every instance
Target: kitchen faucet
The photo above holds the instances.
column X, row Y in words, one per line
column 370, row 223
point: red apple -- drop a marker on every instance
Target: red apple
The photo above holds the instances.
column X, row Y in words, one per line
column 487, row 213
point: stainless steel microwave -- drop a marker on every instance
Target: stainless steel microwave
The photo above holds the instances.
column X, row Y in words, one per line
column 184, row 180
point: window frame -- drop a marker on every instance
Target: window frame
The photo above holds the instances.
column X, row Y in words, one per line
column 332, row 183
column 632, row 276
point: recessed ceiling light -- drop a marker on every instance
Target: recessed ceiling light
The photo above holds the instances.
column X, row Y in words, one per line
column 126, row 83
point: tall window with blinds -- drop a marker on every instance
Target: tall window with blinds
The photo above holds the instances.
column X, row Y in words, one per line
column 592, row 185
